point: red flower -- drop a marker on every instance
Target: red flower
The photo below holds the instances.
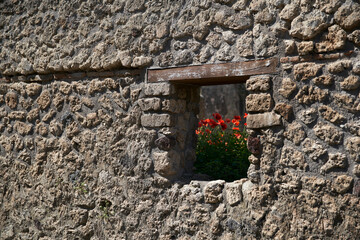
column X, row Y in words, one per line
column 200, row 124
column 217, row 116
column 223, row 126
column 208, row 131
column 212, row 123
column 237, row 117
column 237, row 135
column 236, row 128
column 245, row 115
column 245, row 124
column 227, row 120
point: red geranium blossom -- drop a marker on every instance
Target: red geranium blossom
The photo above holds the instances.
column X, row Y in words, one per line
column 217, row 116
column 212, row 123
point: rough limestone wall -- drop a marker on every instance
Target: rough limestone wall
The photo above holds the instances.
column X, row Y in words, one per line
column 104, row 155
column 228, row 100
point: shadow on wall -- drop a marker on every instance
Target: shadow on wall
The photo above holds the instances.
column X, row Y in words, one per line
column 228, row 100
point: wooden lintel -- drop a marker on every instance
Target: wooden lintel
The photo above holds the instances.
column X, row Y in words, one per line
column 209, row 74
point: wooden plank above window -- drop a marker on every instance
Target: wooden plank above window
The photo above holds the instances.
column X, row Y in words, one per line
column 211, row 74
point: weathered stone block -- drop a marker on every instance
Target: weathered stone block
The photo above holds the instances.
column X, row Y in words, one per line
column 313, row 184
column 355, row 37
column 148, row 104
column 258, row 84
column 167, row 164
column 342, row 183
column 287, row 87
column 265, row 43
column 213, row 191
column 156, row 120
column 336, row 161
column 263, row 120
column 253, row 144
column 33, row 89
column 313, row 148
column 305, row 47
column 165, row 142
column 49, row 115
column 307, row 26
column 295, row 133
column 339, row 66
column 348, row 102
column 289, row 12
column 244, row 44
column 56, row 128
column 309, row 94
column 17, row 115
column 254, row 160
column 58, row 101
column 33, row 114
column 293, row 159
column 353, row 128
column 308, row 116
column 285, row 110
column 356, row 188
column 140, row 62
column 44, row 100
column 11, row 99
column 233, row 193
column 325, row 80
column 65, row 88
column 174, row 106
column 328, row 133
column 333, row 40
column 233, row 20
column 264, row 16
column 350, row 83
column 158, row 89
column 347, row 16
column 352, row 145
column 290, row 46
column 331, row 115
column 92, row 120
column 304, row 71
column 253, row 173
column 22, row 128
column 96, row 86
column 356, row 170
column 41, row 129
column 258, row 102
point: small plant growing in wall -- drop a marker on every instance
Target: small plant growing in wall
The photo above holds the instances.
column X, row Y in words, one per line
column 221, row 150
column 82, row 188
column 105, row 209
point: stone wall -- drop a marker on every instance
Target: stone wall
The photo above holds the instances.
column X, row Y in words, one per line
column 90, row 150
column 228, row 100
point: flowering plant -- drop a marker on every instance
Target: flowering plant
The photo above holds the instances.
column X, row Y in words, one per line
column 221, row 151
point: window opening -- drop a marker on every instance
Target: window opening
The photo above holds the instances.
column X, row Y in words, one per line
column 221, row 151
column 178, row 162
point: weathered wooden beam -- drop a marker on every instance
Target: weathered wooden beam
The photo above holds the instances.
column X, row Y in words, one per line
column 210, row 74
